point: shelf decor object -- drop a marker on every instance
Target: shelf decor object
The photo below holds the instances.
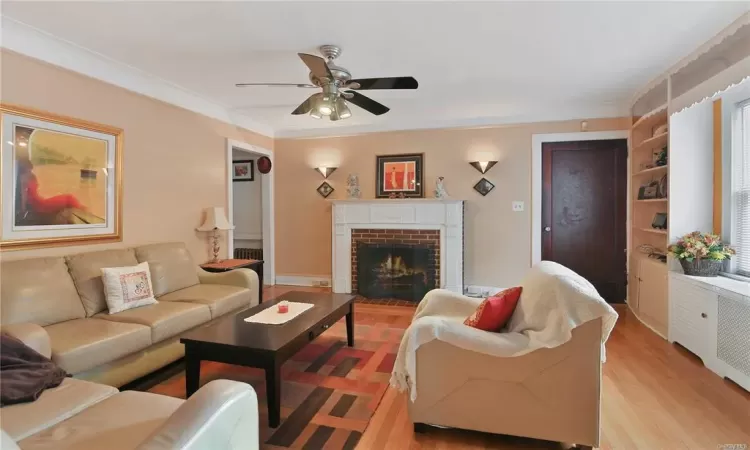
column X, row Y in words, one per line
column 701, row 254
column 325, row 189
column 661, row 157
column 483, row 166
column 659, row 222
column 325, row 171
column 663, row 189
column 484, row 186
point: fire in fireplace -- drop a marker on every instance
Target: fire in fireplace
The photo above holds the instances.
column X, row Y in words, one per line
column 401, row 271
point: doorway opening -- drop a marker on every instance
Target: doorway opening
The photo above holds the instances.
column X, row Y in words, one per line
column 250, row 207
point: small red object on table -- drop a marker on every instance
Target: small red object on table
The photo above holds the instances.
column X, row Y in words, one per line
column 283, row 309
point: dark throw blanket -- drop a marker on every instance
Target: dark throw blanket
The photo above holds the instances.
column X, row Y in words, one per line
column 24, row 373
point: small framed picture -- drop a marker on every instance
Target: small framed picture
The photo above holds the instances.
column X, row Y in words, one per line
column 660, row 221
column 399, row 176
column 243, row 170
column 484, row 186
column 325, row 189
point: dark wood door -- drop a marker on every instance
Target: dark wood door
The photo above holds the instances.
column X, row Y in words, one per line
column 584, row 211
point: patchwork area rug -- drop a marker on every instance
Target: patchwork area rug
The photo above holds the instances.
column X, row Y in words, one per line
column 329, row 391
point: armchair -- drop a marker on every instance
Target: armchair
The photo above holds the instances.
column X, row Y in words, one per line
column 539, row 378
column 550, row 393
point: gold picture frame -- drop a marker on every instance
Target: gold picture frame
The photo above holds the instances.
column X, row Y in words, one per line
column 60, row 180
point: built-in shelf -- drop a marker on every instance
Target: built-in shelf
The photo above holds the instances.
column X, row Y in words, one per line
column 652, row 118
column 651, row 170
column 658, row 141
column 652, row 200
column 654, row 230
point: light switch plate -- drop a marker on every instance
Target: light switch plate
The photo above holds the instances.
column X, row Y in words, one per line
column 517, row 206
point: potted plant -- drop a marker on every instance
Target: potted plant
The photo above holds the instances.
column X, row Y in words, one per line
column 701, row 254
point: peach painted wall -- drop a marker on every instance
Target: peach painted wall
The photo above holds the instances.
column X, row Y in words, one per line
column 498, row 241
column 175, row 159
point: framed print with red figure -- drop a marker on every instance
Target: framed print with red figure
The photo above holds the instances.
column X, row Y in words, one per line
column 399, row 175
column 60, row 180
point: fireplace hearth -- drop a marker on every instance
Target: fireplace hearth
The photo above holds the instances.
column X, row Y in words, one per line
column 391, row 270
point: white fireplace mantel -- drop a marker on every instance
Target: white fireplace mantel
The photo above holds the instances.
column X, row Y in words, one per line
column 409, row 214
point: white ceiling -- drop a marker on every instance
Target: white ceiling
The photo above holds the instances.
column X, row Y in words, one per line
column 477, row 63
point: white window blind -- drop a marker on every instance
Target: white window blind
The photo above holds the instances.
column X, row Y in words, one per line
column 741, row 190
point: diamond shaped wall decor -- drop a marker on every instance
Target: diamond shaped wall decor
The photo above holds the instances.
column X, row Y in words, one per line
column 325, row 189
column 484, row 186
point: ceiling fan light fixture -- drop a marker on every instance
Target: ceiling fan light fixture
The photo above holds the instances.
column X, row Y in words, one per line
column 315, row 114
column 342, row 110
column 325, row 105
column 326, row 110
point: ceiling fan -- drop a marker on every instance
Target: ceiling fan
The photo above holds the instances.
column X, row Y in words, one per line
column 338, row 87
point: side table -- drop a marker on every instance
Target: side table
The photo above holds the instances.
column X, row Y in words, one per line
column 226, row 265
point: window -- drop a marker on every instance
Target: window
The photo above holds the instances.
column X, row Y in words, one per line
column 740, row 197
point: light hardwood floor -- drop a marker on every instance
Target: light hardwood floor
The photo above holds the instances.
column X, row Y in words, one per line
column 655, row 395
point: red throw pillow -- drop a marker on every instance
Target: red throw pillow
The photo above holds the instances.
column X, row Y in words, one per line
column 493, row 313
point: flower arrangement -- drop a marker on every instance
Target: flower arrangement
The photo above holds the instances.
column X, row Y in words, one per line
column 701, row 254
column 697, row 245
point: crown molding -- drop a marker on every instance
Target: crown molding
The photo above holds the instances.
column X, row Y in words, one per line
column 729, row 30
column 552, row 114
column 27, row 40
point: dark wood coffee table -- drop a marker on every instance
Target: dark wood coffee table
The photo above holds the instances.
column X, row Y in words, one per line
column 233, row 341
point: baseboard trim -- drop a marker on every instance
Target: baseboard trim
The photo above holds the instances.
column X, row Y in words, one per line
column 295, row 280
column 646, row 324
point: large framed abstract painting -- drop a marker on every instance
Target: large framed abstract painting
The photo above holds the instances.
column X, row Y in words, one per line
column 399, row 176
column 61, row 181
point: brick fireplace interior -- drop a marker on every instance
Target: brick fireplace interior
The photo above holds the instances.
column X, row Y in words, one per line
column 395, row 264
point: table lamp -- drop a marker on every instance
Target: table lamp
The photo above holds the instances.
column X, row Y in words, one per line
column 215, row 220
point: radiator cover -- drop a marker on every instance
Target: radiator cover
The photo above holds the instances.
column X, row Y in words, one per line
column 733, row 344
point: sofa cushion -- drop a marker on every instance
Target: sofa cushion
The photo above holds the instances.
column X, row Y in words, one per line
column 82, row 344
column 220, row 298
column 38, row 291
column 86, row 271
column 121, row 421
column 171, row 265
column 166, row 319
column 53, row 406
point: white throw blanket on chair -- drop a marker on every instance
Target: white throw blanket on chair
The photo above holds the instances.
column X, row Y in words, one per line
column 554, row 301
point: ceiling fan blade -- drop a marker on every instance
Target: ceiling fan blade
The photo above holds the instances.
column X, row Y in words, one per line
column 317, row 65
column 367, row 103
column 300, row 85
column 306, row 106
column 383, row 83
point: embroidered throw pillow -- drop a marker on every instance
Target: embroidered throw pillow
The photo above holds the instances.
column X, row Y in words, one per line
column 494, row 312
column 127, row 287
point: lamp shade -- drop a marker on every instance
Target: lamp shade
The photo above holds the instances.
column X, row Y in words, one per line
column 215, row 219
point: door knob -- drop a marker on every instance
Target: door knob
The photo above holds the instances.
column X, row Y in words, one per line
column 547, row 229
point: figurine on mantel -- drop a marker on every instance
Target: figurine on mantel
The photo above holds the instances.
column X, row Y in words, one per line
column 440, row 191
column 352, row 186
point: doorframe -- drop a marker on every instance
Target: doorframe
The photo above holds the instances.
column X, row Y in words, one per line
column 267, row 206
column 536, row 179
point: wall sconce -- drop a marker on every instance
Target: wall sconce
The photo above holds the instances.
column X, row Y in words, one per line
column 325, row 171
column 483, row 166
